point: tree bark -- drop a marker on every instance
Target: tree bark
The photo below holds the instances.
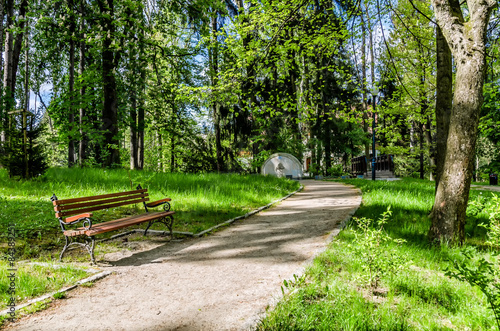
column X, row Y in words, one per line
column 133, row 131
column 71, row 110
column 215, row 105
column 83, row 137
column 110, row 109
column 8, row 65
column 444, row 99
column 467, row 43
column 18, row 45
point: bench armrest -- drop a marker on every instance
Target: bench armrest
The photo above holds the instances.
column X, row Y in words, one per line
column 164, row 202
column 158, row 203
column 77, row 218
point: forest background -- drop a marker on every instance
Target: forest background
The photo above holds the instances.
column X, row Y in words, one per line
column 202, row 86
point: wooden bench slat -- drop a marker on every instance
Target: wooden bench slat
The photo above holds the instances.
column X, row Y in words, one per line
column 84, row 210
column 97, row 197
column 157, row 203
column 98, row 202
column 117, row 224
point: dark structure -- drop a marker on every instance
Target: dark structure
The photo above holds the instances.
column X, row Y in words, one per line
column 383, row 165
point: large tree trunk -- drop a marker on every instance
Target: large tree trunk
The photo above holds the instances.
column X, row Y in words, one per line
column 444, row 98
column 467, row 43
column 110, row 109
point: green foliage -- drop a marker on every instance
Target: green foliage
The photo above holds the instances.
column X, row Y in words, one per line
column 491, row 207
column 370, row 244
column 478, row 271
column 21, row 164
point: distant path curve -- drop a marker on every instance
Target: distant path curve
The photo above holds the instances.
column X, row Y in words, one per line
column 220, row 282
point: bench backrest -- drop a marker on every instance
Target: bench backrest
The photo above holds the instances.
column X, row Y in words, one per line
column 69, row 207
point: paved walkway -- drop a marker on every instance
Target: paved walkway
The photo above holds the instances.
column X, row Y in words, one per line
column 224, row 281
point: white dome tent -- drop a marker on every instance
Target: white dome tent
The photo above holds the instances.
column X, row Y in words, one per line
column 282, row 165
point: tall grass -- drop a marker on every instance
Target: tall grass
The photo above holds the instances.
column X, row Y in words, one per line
column 419, row 297
column 199, row 200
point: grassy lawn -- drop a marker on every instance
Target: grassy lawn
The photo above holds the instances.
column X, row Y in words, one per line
column 200, row 202
column 413, row 294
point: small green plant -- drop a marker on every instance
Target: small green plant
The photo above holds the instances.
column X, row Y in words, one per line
column 491, row 207
column 289, row 284
column 477, row 271
column 59, row 295
column 371, row 244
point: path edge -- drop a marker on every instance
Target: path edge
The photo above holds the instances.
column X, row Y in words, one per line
column 252, row 321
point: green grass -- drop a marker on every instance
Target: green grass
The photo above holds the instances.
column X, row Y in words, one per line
column 200, row 200
column 334, row 296
column 34, row 280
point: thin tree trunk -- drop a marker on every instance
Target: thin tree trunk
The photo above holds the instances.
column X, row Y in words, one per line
column 83, row 137
column 160, row 150
column 71, row 110
column 432, row 152
column 133, row 131
column 216, row 107
column 26, row 109
column 366, row 125
column 18, row 45
column 8, row 65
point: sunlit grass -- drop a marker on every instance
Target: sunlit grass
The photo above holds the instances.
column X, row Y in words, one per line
column 34, row 280
column 199, row 200
column 421, row 297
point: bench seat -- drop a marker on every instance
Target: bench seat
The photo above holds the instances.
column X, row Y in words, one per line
column 117, row 224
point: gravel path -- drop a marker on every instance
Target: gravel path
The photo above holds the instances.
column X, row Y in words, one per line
column 223, row 281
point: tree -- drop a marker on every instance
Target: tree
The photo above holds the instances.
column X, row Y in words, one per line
column 466, row 38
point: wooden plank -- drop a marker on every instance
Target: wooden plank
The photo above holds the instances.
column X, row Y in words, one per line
column 156, row 203
column 74, row 218
column 84, row 210
column 98, row 202
column 124, row 224
column 147, row 216
column 117, row 224
column 97, row 197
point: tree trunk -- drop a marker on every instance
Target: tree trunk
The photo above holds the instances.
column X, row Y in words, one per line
column 18, row 45
column 133, row 131
column 366, row 125
column 83, row 137
column 160, row 150
column 467, row 43
column 140, row 134
column 71, row 110
column 432, row 152
column 8, row 64
column 110, row 109
column 216, row 107
column 444, row 99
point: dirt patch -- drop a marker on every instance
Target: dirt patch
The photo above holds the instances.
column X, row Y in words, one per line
column 223, row 281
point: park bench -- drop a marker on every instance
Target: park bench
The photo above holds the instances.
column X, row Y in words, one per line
column 78, row 210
